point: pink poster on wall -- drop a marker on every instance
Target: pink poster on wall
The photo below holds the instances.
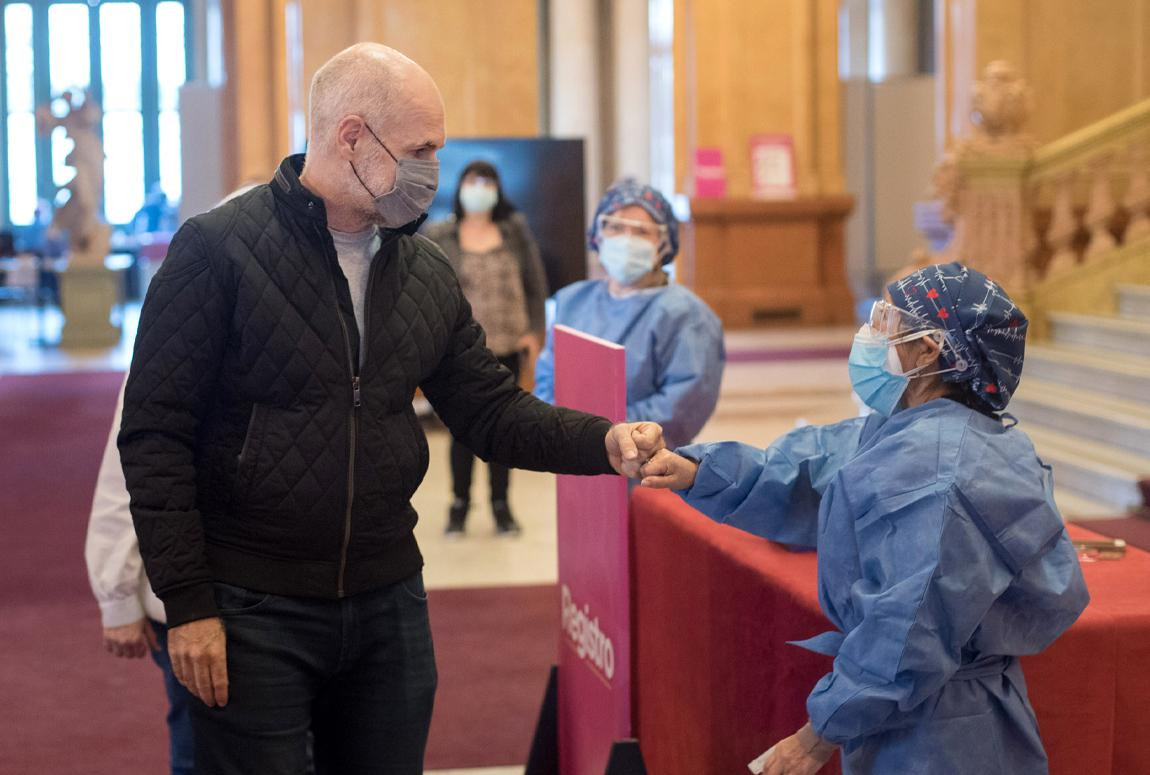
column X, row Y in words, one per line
column 595, row 637
column 710, row 174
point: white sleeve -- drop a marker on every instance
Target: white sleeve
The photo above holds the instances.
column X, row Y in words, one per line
column 115, row 569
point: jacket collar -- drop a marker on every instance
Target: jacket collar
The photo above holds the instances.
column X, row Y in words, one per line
column 288, row 187
column 290, row 190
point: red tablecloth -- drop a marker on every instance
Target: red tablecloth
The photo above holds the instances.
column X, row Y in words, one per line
column 716, row 683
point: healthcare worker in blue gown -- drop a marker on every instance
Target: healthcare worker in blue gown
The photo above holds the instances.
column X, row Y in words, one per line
column 673, row 341
column 942, row 557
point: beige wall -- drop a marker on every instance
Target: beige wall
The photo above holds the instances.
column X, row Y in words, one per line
column 745, row 67
column 483, row 55
column 254, row 96
column 1084, row 60
column 741, row 67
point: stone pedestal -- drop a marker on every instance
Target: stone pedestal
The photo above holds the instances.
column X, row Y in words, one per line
column 87, row 295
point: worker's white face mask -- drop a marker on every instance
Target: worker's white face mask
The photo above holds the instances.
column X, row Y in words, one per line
column 478, row 197
column 626, row 258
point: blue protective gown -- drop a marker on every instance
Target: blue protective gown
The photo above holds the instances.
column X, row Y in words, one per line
column 942, row 558
column 674, row 346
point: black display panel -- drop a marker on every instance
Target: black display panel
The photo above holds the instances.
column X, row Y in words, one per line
column 543, row 178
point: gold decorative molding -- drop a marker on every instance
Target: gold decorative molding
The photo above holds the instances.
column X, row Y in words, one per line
column 1072, row 151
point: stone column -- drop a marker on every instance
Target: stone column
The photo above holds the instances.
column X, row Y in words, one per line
column 630, row 91
column 575, row 85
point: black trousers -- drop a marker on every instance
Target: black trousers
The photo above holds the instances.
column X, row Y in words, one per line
column 359, row 672
column 463, row 460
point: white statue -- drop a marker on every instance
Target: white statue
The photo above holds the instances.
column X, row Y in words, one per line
column 88, row 234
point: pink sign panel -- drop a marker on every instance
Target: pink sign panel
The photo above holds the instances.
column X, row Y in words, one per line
column 710, row 174
column 594, row 583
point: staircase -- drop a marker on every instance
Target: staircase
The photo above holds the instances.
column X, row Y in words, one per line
column 1085, row 402
column 1065, row 228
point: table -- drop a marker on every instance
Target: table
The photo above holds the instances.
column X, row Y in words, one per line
column 715, row 682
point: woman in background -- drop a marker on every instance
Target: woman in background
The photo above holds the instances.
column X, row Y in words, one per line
column 497, row 260
column 674, row 342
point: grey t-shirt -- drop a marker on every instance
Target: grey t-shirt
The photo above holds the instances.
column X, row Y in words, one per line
column 355, row 251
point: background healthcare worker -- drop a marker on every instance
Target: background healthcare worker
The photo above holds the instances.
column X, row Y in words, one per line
column 942, row 557
column 674, row 341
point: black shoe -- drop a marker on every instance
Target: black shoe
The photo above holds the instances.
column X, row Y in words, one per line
column 505, row 524
column 456, row 517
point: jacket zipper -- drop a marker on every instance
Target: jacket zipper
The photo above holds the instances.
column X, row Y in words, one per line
column 353, row 417
column 352, row 441
column 246, row 447
column 245, row 468
column 356, row 402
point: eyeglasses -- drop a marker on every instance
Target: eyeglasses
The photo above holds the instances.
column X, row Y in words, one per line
column 614, row 226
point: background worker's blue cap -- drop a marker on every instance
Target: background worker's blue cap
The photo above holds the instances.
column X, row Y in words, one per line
column 630, row 192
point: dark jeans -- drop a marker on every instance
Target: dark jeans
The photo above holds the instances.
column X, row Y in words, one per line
column 181, row 744
column 463, row 460
column 360, row 672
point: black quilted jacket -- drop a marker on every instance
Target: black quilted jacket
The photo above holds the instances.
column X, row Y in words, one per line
column 259, row 454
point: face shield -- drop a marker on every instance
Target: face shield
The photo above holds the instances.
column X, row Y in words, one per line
column 897, row 326
column 615, row 226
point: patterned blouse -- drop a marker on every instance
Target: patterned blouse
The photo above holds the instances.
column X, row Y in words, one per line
column 506, row 286
column 493, row 283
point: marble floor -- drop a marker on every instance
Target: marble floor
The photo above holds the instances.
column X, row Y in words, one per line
column 759, row 401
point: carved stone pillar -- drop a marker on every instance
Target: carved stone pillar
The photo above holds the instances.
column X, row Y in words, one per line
column 1137, row 199
column 1101, row 207
column 982, row 182
column 992, row 220
column 1063, row 226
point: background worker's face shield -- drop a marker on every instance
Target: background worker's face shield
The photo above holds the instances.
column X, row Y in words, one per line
column 616, row 226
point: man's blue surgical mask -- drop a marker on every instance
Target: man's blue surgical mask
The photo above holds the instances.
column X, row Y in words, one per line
column 626, row 257
column 415, row 183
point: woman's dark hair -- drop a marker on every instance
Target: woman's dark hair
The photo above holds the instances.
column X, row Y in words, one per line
column 961, row 393
column 503, row 207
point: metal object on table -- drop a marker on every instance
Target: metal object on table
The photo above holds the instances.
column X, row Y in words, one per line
column 1101, row 549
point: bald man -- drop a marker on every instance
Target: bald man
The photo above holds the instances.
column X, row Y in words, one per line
column 270, row 447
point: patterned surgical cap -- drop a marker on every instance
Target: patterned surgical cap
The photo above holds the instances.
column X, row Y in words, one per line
column 630, row 192
column 986, row 328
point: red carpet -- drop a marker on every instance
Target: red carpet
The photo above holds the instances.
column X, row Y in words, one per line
column 66, row 707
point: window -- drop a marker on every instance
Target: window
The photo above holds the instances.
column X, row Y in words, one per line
column 661, row 37
column 20, row 119
column 133, row 55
